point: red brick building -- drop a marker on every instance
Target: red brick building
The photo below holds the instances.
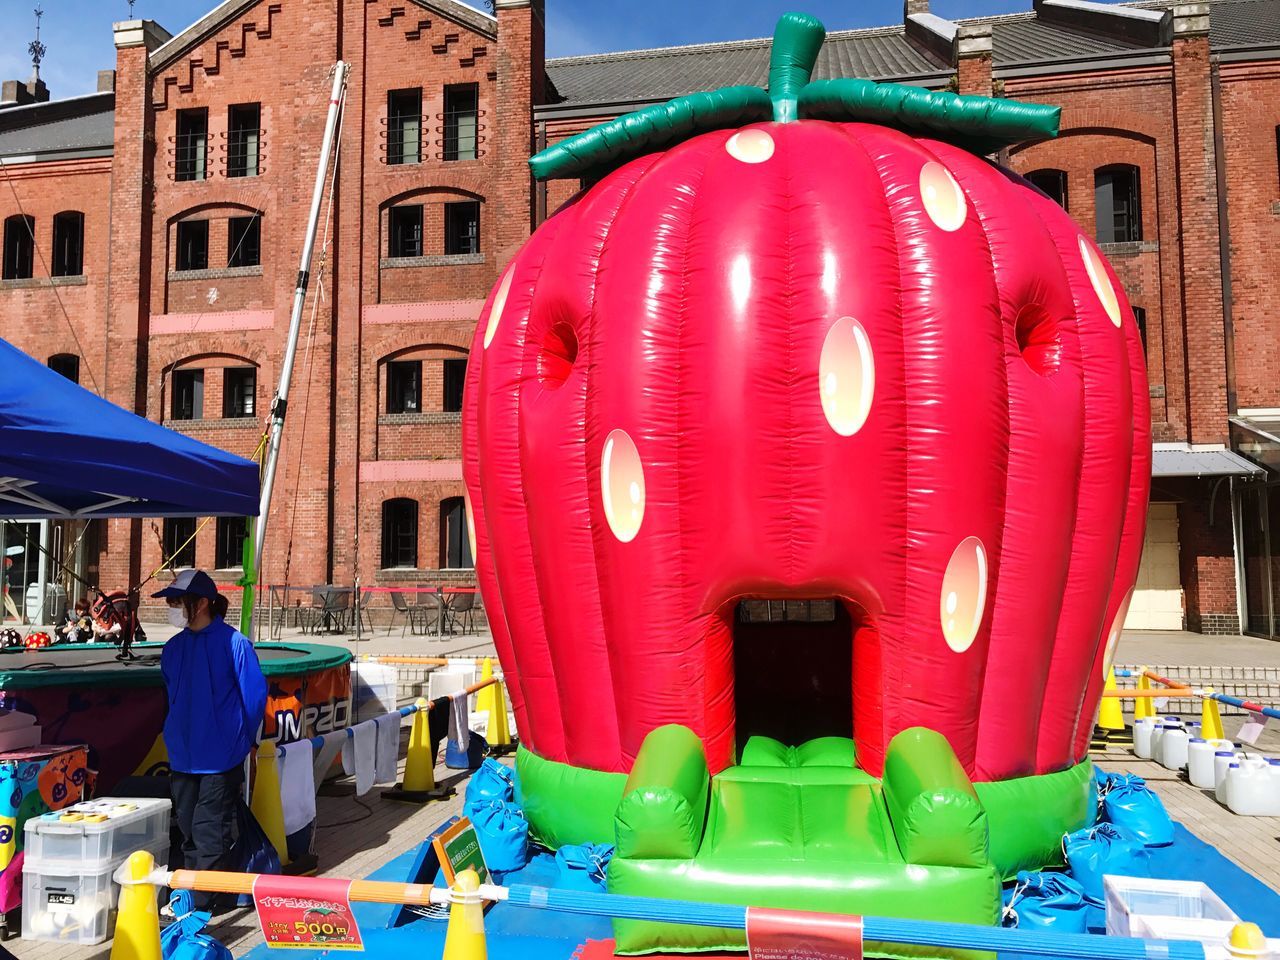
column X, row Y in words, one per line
column 192, row 168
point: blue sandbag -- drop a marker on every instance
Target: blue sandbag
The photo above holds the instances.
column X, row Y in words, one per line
column 1053, row 902
column 1102, row 849
column 185, row 939
column 503, row 833
column 583, row 866
column 1131, row 805
column 493, row 781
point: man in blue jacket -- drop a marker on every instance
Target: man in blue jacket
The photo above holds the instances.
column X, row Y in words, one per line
column 217, row 696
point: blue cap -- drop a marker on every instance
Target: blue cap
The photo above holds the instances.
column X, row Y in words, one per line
column 190, row 582
column 1223, row 753
column 1198, row 740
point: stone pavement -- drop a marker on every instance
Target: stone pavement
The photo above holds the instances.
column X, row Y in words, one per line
column 358, row 834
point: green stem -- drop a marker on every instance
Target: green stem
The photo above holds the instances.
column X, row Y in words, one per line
column 796, row 42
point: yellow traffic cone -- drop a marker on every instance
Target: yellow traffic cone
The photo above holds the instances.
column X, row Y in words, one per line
column 484, row 699
column 493, row 700
column 265, row 803
column 419, row 783
column 1211, row 718
column 1143, row 706
column 138, row 920
column 464, row 939
column 1110, row 714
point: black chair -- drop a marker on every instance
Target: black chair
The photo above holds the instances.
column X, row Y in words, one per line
column 311, row 618
column 337, row 608
column 360, row 609
column 428, row 606
column 461, row 610
column 400, row 607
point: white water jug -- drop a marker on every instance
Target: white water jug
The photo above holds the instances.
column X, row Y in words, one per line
column 1142, row 730
column 1222, row 760
column 1253, row 789
column 1200, row 761
column 1173, row 748
column 1157, row 737
column 1223, row 791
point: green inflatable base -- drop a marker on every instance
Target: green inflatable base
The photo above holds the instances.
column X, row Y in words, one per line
column 1027, row 817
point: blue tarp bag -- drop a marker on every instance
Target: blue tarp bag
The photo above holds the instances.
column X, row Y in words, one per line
column 1130, row 804
column 1046, row 901
column 503, row 833
column 493, row 781
column 583, row 866
column 1099, row 850
column 185, row 939
column 253, row 851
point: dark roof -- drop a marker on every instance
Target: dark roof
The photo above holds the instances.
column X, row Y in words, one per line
column 1245, row 23
column 667, row 72
column 882, row 53
column 77, row 126
column 1022, row 37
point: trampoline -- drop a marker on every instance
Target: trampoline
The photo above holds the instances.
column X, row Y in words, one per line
column 81, row 694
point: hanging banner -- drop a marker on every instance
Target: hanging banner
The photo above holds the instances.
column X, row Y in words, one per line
column 306, row 913
column 797, row 935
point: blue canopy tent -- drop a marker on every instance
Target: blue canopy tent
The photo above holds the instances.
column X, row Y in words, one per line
column 66, row 453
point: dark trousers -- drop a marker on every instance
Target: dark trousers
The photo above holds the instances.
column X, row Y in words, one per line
column 205, row 805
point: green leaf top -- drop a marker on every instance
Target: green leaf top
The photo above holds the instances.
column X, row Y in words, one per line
column 981, row 125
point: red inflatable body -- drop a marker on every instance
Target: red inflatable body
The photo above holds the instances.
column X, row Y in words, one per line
column 808, row 360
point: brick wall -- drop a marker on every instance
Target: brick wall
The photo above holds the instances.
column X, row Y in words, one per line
column 1251, row 115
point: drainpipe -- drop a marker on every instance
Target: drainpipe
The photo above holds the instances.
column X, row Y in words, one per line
column 1224, row 234
column 1237, row 549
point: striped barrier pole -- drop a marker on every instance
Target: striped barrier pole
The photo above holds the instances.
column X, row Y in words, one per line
column 960, row 936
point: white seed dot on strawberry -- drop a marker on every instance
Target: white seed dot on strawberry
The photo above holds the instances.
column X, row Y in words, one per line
column 846, row 376
column 1097, row 271
column 499, row 304
column 942, row 197
column 622, row 485
column 964, row 594
column 750, row 146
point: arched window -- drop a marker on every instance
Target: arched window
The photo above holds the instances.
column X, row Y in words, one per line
column 19, row 247
column 399, row 533
column 68, row 244
column 1052, row 183
column 455, row 543
column 67, row 364
column 1117, row 196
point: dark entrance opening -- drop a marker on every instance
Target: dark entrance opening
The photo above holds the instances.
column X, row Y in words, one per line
column 793, row 670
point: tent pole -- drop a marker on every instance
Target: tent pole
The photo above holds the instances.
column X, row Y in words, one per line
column 42, row 576
column 281, row 402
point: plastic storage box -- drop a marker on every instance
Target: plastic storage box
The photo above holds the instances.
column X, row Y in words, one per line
column 73, row 904
column 1178, row 909
column 97, row 831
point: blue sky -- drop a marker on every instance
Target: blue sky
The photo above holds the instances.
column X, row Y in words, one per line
column 78, row 32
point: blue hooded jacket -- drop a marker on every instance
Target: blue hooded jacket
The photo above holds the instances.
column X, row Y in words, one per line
column 217, row 696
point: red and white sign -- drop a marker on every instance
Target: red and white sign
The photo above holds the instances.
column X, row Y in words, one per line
column 794, row 935
column 306, row 912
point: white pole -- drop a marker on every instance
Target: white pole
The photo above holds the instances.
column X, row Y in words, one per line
column 42, row 576
column 280, row 405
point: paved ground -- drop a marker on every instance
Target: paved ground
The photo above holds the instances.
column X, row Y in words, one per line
column 357, row 835
column 1177, row 647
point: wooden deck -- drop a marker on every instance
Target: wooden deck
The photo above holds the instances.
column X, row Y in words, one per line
column 359, row 834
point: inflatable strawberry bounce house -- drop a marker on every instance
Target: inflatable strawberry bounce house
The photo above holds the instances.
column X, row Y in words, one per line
column 807, row 458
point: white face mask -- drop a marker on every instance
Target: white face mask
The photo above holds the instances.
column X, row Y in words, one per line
column 178, row 617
